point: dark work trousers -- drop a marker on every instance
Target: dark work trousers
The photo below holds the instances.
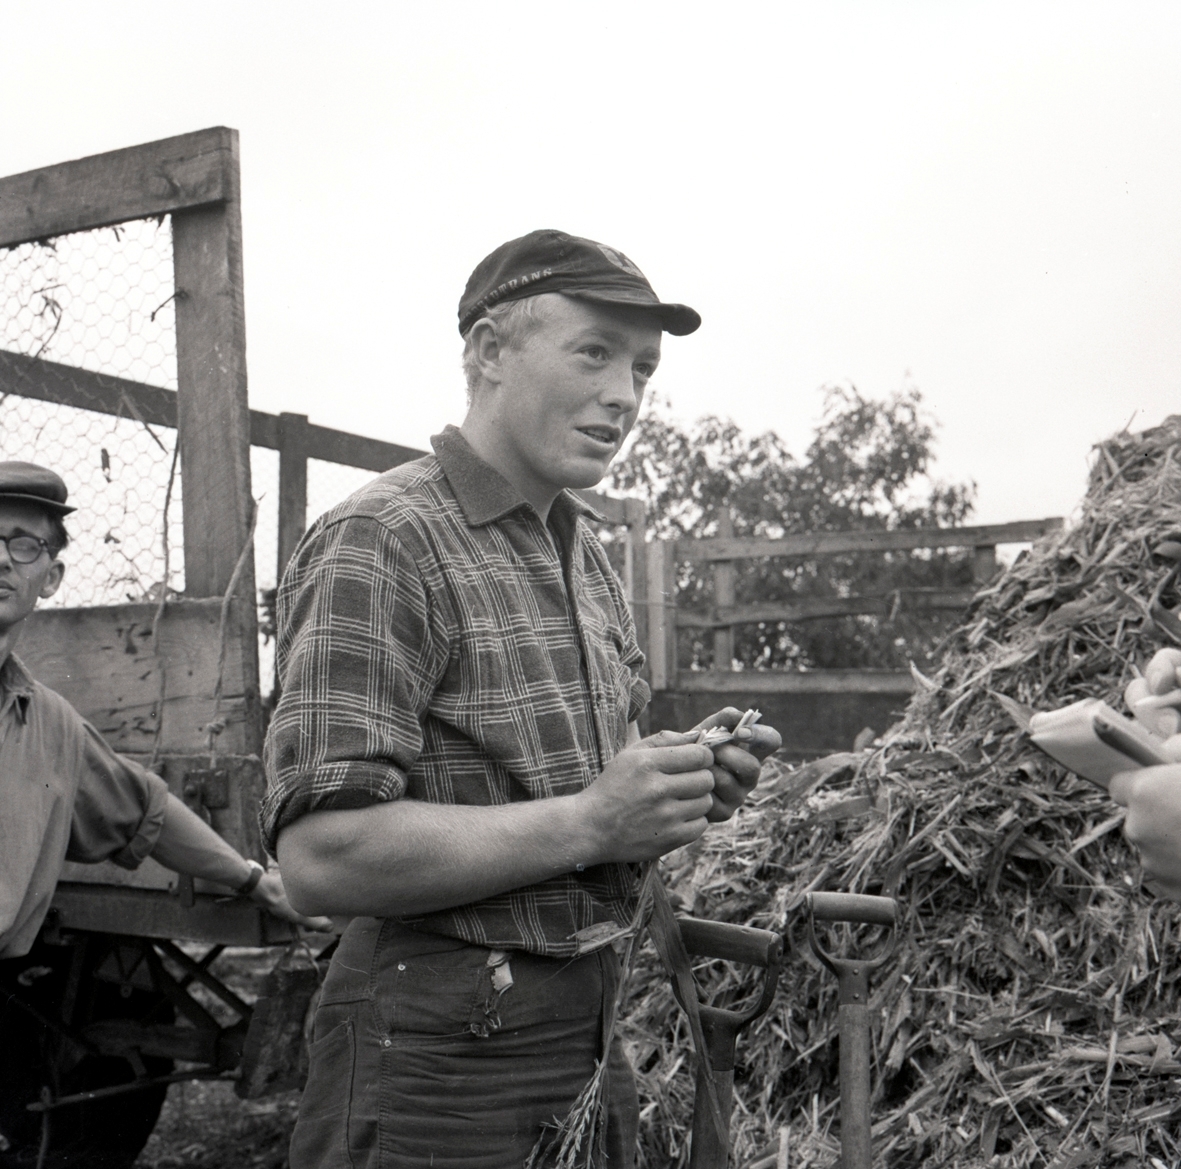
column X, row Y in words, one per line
column 424, row 1056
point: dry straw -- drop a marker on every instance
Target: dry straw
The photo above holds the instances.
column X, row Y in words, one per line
column 1032, row 1015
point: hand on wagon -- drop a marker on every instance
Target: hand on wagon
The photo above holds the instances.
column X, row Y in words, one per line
column 187, row 844
column 270, row 895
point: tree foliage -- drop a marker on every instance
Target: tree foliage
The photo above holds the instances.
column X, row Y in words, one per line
column 865, row 468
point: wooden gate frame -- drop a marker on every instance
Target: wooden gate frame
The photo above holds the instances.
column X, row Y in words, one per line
column 194, row 178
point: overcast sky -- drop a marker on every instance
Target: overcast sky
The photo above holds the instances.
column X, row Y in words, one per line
column 979, row 199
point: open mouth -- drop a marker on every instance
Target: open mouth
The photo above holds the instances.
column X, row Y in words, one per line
column 603, row 435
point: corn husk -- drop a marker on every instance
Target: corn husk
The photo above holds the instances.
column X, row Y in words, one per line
column 1032, row 1013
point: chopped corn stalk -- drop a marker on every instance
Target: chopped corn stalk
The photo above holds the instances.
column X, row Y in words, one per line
column 717, row 736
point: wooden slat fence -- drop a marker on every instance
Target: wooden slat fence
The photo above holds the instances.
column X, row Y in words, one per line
column 722, row 553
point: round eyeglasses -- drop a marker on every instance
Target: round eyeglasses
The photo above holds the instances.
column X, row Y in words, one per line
column 24, row 549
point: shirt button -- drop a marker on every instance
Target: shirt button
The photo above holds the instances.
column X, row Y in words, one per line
column 387, row 1043
column 401, row 965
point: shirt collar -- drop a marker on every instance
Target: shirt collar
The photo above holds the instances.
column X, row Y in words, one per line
column 483, row 493
column 16, row 687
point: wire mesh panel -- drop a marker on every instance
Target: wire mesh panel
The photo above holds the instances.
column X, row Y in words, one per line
column 264, row 480
column 264, row 485
column 331, row 483
column 100, row 301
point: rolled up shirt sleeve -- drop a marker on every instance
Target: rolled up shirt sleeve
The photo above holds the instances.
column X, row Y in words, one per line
column 359, row 655
column 118, row 810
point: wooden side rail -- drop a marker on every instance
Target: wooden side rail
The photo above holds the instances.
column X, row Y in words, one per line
column 67, row 385
column 174, row 174
column 813, row 608
column 812, row 544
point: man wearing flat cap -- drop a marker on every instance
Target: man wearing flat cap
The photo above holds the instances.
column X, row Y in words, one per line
column 454, row 762
column 64, row 794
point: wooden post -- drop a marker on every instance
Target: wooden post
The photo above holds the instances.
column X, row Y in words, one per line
column 984, row 564
column 724, row 574
column 213, row 421
column 293, row 485
column 662, row 614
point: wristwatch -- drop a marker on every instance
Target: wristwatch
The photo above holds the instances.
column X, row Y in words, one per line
column 251, row 883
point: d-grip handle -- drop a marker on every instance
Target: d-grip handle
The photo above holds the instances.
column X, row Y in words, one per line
column 859, row 908
column 720, row 1027
column 734, row 943
column 853, row 1016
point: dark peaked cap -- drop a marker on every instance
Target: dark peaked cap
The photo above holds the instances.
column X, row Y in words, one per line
column 552, row 261
column 29, row 483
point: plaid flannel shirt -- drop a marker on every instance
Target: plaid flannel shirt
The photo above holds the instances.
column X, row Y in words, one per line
column 437, row 642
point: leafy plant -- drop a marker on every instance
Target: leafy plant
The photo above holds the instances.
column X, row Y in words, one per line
column 866, row 468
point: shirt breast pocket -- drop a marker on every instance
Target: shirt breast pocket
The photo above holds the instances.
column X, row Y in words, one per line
column 615, row 681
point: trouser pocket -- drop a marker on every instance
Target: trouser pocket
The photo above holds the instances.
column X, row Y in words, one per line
column 321, row 1137
column 428, row 985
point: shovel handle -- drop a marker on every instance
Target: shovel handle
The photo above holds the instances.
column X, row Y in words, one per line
column 853, row 907
column 734, row 943
column 853, row 1012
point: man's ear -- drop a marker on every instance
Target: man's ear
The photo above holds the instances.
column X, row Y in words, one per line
column 488, row 351
column 53, row 579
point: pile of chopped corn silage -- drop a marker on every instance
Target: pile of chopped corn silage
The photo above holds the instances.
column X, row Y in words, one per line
column 1032, row 1015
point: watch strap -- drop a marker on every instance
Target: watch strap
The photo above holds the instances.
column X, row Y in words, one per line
column 251, row 883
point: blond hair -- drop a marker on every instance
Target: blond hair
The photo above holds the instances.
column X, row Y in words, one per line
column 514, row 322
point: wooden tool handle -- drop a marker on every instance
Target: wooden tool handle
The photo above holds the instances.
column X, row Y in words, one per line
column 854, row 907
column 735, row 943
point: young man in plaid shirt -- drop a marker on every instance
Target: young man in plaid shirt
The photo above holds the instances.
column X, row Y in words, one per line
column 454, row 762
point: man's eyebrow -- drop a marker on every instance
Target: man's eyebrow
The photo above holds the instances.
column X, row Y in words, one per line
column 614, row 337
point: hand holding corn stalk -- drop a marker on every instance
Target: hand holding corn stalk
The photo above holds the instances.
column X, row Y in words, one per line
column 579, row 1139
column 738, row 754
column 718, row 736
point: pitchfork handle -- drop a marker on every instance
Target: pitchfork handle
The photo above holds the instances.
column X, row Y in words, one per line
column 734, row 943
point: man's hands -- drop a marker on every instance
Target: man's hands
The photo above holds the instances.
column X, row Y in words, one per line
column 737, row 765
column 654, row 796
column 659, row 793
column 1155, row 700
column 409, row 857
column 1152, row 796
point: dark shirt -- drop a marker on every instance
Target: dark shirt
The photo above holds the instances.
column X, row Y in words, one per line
column 64, row 795
column 438, row 641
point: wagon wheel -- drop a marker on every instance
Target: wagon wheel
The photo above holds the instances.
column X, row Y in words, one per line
column 105, row 1134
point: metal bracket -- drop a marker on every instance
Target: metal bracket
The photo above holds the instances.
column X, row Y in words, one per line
column 208, row 788
column 221, row 789
column 203, row 790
